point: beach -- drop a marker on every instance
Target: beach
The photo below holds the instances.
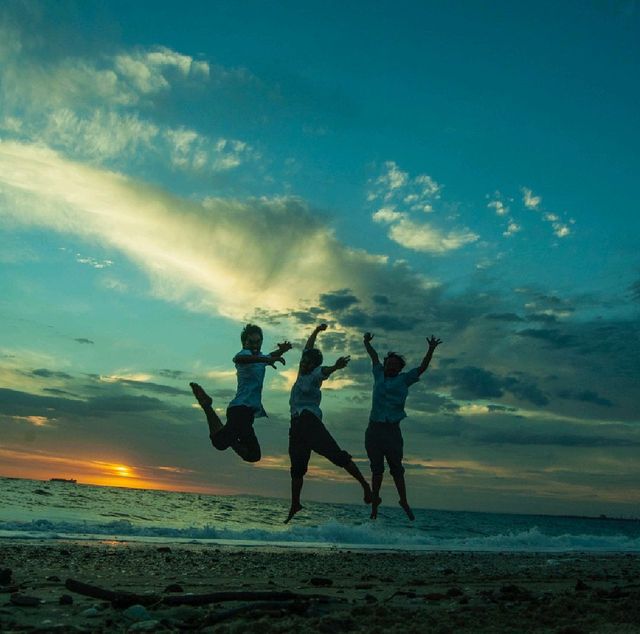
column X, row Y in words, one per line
column 174, row 588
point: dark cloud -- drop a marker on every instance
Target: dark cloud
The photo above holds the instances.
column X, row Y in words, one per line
column 383, row 300
column 153, row 387
column 586, row 396
column 528, row 437
column 553, row 337
column 173, row 374
column 50, row 374
column 525, row 391
column 23, row 403
column 635, row 291
column 543, row 318
column 52, row 390
column 338, row 300
column 504, row 317
column 83, row 340
column 471, row 382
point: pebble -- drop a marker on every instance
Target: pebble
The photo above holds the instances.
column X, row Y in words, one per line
column 90, row 613
column 137, row 612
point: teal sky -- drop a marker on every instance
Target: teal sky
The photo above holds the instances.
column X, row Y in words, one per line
column 171, row 171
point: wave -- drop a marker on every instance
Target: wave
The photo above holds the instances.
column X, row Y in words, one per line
column 329, row 534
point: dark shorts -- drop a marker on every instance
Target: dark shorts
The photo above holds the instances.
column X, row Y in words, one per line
column 307, row 434
column 238, row 433
column 384, row 440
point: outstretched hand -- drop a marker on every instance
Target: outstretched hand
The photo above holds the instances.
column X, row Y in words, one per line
column 433, row 342
column 273, row 360
column 321, row 327
column 367, row 337
column 284, row 347
column 342, row 362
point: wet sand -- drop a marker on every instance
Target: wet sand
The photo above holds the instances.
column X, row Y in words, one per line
column 333, row 590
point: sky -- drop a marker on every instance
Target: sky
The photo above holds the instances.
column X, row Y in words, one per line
column 172, row 171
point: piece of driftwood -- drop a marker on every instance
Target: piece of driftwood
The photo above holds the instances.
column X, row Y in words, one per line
column 125, row 599
column 118, row 598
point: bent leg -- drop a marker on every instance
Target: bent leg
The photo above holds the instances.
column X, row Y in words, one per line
column 206, row 402
column 322, row 442
column 240, row 435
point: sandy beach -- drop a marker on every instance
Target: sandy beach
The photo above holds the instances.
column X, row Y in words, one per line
column 160, row 588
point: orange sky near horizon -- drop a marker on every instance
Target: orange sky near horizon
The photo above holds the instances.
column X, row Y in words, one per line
column 43, row 466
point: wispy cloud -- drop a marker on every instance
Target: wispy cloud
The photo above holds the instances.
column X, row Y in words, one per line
column 403, row 198
column 561, row 229
column 205, row 255
column 104, row 110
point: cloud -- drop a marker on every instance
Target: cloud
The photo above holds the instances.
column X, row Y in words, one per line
column 103, row 110
column 205, row 255
column 561, row 229
column 84, row 340
column 424, row 237
column 396, row 189
column 585, row 396
column 553, row 337
column 530, row 200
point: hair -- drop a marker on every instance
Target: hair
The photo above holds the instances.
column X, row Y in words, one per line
column 392, row 355
column 249, row 329
column 314, row 356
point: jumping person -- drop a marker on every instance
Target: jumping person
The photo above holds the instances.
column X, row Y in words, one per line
column 250, row 365
column 383, row 438
column 307, row 432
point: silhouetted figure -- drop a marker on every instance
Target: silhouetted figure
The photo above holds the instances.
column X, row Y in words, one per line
column 307, row 432
column 383, row 438
column 247, row 404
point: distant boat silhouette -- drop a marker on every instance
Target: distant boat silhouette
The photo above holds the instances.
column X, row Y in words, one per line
column 67, row 480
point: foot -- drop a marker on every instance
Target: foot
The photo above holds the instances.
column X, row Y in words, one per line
column 204, row 400
column 374, row 506
column 292, row 511
column 407, row 509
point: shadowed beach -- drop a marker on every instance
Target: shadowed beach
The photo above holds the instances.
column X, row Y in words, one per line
column 159, row 588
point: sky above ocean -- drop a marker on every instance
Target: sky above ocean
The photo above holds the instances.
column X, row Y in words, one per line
column 171, row 171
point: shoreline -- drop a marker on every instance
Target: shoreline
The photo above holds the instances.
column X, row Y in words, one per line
column 436, row 591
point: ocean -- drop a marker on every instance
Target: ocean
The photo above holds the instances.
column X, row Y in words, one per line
column 33, row 509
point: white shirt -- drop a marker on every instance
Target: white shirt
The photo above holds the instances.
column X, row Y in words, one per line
column 306, row 393
column 250, row 380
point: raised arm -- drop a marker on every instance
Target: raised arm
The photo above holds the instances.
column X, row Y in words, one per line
column 340, row 363
column 311, row 341
column 433, row 344
column 369, row 348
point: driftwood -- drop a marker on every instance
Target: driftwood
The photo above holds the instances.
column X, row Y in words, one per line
column 125, row 599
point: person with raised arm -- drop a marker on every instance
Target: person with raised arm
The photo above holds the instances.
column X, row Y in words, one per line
column 250, row 365
column 307, row 432
column 383, row 438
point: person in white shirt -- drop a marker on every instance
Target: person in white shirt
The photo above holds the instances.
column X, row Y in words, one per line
column 250, row 365
column 307, row 432
column 383, row 438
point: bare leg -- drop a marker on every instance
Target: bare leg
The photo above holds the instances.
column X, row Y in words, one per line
column 296, row 488
column 353, row 470
column 205, row 401
column 402, row 492
column 376, row 484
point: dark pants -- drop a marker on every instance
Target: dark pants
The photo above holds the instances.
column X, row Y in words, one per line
column 307, row 434
column 238, row 433
column 384, row 440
